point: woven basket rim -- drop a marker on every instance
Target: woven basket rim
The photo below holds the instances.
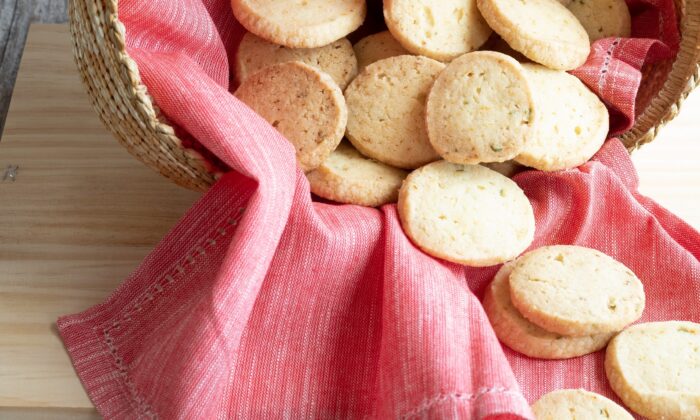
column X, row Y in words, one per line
column 680, row 82
column 99, row 41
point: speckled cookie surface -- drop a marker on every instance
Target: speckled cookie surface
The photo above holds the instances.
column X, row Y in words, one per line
column 603, row 18
column 573, row 290
column 545, row 31
column 386, row 107
column 572, row 124
column 480, row 109
column 348, row 177
column 655, row 369
column 302, row 103
column 300, row 23
column 336, row 59
column 573, row 404
column 466, row 214
column 439, row 29
column 379, row 46
column 516, row 332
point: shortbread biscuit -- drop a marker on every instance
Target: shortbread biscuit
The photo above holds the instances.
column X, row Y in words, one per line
column 348, row 177
column 439, row 29
column 545, row 31
column 573, row 404
column 480, row 109
column 300, row 23
column 572, row 290
column 655, row 369
column 571, row 126
column 516, row 332
column 603, row 18
column 302, row 103
column 466, row 214
column 336, row 59
column 386, row 106
column 377, row 47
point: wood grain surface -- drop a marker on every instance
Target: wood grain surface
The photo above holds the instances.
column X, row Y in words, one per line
column 15, row 16
column 83, row 213
column 78, row 219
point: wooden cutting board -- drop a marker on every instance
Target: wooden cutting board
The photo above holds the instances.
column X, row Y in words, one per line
column 78, row 219
column 83, row 213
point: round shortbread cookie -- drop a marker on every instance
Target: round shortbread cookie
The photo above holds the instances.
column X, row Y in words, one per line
column 302, row 103
column 655, row 369
column 572, row 290
column 545, row 31
column 348, row 177
column 439, row 29
column 336, row 59
column 603, row 18
column 573, row 404
column 300, row 23
column 571, row 126
column 480, row 109
column 386, row 108
column 379, row 46
column 525, row 337
column 466, row 214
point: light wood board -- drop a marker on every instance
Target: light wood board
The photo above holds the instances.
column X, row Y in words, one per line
column 79, row 218
column 669, row 167
column 83, row 213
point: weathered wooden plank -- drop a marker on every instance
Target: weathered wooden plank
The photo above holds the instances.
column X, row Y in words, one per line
column 14, row 23
column 15, row 16
column 50, row 11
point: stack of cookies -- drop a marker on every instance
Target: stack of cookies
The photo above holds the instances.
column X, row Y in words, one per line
column 436, row 112
column 562, row 301
column 654, row 368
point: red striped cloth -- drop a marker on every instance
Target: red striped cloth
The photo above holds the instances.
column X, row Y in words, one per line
column 263, row 303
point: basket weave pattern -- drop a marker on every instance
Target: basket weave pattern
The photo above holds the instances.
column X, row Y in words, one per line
column 114, row 85
column 682, row 77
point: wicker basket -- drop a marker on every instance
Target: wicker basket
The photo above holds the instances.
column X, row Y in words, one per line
column 124, row 106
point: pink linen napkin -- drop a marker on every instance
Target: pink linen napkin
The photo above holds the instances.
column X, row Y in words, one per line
column 263, row 303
